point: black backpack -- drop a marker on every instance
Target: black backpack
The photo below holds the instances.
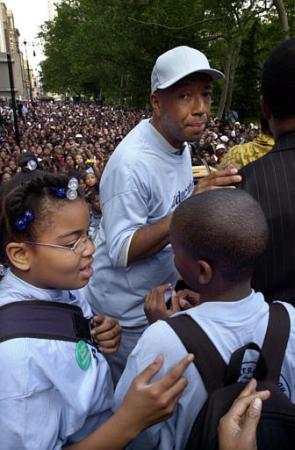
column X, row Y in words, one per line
column 276, row 429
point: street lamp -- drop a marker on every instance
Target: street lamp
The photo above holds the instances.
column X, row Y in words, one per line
column 28, row 70
column 12, row 92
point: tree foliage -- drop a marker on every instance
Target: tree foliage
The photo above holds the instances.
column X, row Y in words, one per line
column 94, row 47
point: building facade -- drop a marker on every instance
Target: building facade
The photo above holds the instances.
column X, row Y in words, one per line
column 9, row 43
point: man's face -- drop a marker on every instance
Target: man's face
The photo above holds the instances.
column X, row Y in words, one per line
column 181, row 111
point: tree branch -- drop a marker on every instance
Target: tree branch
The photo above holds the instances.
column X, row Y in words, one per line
column 159, row 25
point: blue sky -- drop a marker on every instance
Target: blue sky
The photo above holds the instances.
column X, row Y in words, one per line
column 28, row 17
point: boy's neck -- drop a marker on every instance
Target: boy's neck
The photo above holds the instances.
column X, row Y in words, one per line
column 222, row 293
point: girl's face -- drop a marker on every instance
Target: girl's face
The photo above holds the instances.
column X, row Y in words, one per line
column 6, row 177
column 79, row 159
column 61, row 268
column 96, row 204
column 70, row 161
column 82, row 184
column 91, row 180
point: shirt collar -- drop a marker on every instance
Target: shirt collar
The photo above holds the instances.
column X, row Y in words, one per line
column 21, row 290
column 285, row 142
column 229, row 311
column 165, row 145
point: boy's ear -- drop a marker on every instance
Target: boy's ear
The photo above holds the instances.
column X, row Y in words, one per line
column 205, row 272
column 19, row 255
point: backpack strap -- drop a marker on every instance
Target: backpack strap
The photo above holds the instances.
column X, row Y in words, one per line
column 275, row 341
column 233, row 371
column 208, row 361
column 269, row 363
column 43, row 320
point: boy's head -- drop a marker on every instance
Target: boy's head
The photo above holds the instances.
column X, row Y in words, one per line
column 218, row 234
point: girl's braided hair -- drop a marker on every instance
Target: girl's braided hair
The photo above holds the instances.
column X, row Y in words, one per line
column 27, row 191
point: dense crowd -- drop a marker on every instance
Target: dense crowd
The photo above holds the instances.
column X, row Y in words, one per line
column 67, row 137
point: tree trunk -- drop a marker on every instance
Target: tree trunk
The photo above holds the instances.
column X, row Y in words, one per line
column 234, row 65
column 281, row 10
column 225, row 87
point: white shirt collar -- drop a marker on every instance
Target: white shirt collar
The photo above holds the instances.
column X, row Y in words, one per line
column 229, row 311
column 164, row 144
column 18, row 289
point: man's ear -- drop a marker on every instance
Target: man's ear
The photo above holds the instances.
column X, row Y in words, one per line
column 156, row 104
column 264, row 108
column 19, row 255
column 205, row 272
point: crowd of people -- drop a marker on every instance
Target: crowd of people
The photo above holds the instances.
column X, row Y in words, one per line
column 110, row 312
column 77, row 139
column 67, row 137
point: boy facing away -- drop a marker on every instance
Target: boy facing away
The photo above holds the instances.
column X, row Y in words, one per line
column 217, row 237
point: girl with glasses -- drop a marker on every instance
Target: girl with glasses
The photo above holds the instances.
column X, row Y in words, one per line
column 54, row 393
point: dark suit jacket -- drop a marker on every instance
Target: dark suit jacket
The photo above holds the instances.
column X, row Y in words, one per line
column 271, row 181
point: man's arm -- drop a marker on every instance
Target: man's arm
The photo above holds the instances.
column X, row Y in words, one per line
column 150, row 239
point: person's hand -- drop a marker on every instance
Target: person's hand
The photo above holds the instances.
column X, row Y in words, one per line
column 237, row 428
column 229, row 165
column 155, row 307
column 187, row 299
column 146, row 404
column 221, row 178
column 106, row 333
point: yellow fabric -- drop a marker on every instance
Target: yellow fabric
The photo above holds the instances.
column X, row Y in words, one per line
column 243, row 154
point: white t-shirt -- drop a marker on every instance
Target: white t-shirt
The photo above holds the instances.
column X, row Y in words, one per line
column 229, row 325
column 143, row 181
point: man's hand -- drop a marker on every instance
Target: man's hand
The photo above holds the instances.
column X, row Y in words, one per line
column 155, row 305
column 237, row 429
column 229, row 165
column 106, row 333
column 226, row 177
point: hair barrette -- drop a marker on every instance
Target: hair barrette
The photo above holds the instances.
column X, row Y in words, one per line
column 32, row 165
column 71, row 192
column 22, row 222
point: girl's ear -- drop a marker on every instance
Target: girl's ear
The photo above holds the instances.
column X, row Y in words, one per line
column 205, row 272
column 19, row 255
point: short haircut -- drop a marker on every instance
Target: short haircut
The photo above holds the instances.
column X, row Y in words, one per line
column 225, row 227
column 278, row 80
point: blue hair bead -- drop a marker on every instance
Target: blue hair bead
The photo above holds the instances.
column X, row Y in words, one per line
column 58, row 192
column 22, row 222
column 28, row 216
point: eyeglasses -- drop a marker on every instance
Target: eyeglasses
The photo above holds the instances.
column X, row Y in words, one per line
column 78, row 247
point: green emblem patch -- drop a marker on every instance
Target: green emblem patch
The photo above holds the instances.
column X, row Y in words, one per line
column 83, row 355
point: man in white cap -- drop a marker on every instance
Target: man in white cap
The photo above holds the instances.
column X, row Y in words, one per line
column 147, row 176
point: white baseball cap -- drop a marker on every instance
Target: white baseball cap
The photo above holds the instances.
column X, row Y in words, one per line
column 220, row 146
column 178, row 63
